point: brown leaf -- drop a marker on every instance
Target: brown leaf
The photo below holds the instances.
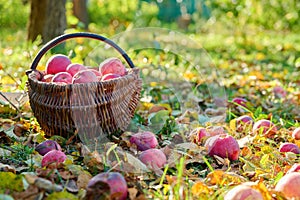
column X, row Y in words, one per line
column 7, row 168
column 31, row 193
column 83, row 179
column 132, row 193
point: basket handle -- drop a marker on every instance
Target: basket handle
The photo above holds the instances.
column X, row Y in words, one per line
column 54, row 42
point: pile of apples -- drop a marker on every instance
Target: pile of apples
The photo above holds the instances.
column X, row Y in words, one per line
column 60, row 70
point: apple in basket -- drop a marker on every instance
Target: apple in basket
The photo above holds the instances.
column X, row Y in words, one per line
column 109, row 76
column 73, row 68
column 97, row 73
column 84, row 76
column 112, row 66
column 47, row 78
column 57, row 63
column 62, row 77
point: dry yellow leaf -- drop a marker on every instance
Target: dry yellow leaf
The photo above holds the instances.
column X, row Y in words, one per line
column 199, row 188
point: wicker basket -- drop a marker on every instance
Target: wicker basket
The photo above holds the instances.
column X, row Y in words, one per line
column 89, row 109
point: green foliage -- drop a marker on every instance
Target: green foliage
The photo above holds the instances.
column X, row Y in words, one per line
column 13, row 14
column 10, row 181
column 277, row 15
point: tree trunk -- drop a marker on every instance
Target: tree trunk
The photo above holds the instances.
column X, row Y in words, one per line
column 80, row 11
column 47, row 18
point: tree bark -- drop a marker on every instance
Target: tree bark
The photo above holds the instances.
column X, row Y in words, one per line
column 80, row 11
column 47, row 18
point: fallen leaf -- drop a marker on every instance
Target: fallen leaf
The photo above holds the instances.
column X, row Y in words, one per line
column 219, row 177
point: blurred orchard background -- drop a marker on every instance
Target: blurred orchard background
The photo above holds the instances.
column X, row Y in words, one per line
column 231, row 31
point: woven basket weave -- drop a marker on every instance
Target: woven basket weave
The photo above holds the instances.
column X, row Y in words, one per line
column 89, row 109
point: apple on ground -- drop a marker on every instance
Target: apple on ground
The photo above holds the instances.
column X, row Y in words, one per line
column 294, row 168
column 198, row 134
column 47, row 146
column 243, row 192
column 240, row 101
column 107, row 77
column 108, row 185
column 53, row 156
column 288, row 185
column 144, row 140
column 84, row 76
column 62, row 77
column 73, row 68
column 112, row 66
column 244, row 122
column 57, row 63
column 224, row 146
column 296, row 134
column 264, row 126
column 279, row 92
column 289, row 147
column 153, row 158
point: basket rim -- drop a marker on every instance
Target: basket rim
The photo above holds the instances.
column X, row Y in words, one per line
column 131, row 72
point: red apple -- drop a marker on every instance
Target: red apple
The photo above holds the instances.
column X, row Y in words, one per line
column 266, row 127
column 53, row 156
column 73, row 68
column 47, row 78
column 279, row 92
column 107, row 77
column 243, row 192
column 244, row 122
column 240, row 101
column 57, row 63
column 223, row 145
column 62, row 77
column 117, row 186
column 84, row 76
column 198, row 134
column 288, row 185
column 153, row 158
column 112, row 66
column 97, row 73
column 144, row 140
column 294, row 168
column 47, row 146
column 296, row 134
column 289, row 147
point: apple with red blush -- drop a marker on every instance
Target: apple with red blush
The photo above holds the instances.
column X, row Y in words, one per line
column 296, row 134
column 112, row 66
column 144, row 140
column 153, row 158
column 243, row 123
column 107, row 77
column 62, row 77
column 224, row 146
column 73, row 68
column 57, row 63
column 289, row 147
column 47, row 78
column 84, row 76
column 198, row 134
column 243, row 192
column 288, row 186
column 107, row 185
